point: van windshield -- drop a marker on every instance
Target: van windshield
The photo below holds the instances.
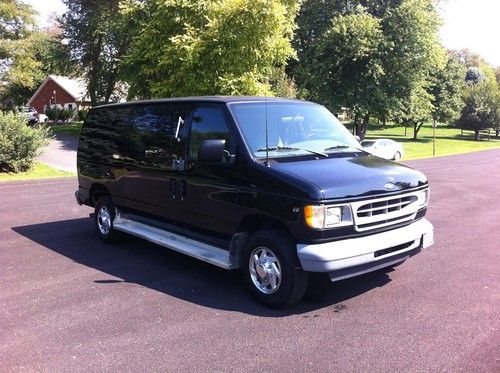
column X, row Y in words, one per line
column 293, row 128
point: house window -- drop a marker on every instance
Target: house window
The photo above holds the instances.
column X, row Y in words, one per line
column 70, row 106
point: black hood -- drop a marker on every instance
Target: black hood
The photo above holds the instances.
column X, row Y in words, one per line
column 351, row 176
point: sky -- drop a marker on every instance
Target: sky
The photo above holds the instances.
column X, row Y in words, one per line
column 471, row 24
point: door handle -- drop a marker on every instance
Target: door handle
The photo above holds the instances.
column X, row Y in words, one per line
column 173, row 187
column 183, row 188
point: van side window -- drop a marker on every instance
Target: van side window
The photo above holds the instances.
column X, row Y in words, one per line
column 207, row 124
column 150, row 133
column 99, row 139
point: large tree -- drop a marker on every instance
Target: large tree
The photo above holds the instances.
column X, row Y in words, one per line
column 481, row 107
column 349, row 69
column 447, row 87
column 98, row 37
column 194, row 47
column 19, row 68
column 380, row 70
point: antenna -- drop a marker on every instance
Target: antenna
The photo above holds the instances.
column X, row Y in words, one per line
column 267, row 141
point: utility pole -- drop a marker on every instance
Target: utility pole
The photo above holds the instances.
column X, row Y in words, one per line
column 433, row 137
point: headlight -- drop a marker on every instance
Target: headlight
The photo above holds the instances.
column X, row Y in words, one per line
column 321, row 216
column 423, row 197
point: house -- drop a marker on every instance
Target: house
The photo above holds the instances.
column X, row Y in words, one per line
column 60, row 91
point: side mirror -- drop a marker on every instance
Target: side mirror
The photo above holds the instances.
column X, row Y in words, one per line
column 358, row 139
column 211, row 151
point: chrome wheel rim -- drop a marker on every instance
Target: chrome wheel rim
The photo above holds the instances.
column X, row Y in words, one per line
column 104, row 220
column 265, row 270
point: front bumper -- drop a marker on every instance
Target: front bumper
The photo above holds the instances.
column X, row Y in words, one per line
column 355, row 256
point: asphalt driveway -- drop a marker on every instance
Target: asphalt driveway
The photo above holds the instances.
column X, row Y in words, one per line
column 60, row 153
column 70, row 303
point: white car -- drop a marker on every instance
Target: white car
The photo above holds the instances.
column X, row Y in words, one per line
column 31, row 114
column 384, row 148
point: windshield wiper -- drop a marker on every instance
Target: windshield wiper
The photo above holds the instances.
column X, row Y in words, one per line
column 342, row 146
column 285, row 148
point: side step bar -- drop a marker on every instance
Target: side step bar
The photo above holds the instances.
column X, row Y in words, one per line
column 199, row 250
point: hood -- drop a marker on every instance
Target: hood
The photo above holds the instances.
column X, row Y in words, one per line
column 345, row 177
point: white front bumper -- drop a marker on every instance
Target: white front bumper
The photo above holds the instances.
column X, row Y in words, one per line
column 360, row 252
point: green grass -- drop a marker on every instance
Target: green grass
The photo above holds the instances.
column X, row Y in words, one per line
column 448, row 140
column 37, row 171
column 71, row 128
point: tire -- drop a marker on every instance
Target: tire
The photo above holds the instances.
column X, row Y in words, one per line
column 397, row 156
column 103, row 218
column 271, row 269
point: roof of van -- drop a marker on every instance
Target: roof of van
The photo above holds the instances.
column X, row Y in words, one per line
column 215, row 99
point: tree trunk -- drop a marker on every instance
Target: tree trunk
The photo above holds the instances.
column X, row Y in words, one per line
column 362, row 127
column 355, row 124
column 497, row 132
column 476, row 135
column 95, row 71
column 416, row 128
column 110, row 87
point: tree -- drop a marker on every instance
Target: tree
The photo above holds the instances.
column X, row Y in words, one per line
column 446, row 90
column 19, row 69
column 349, row 70
column 474, row 75
column 204, row 47
column 481, row 108
column 98, row 38
column 381, row 69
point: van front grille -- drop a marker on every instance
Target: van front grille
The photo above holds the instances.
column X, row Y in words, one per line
column 385, row 211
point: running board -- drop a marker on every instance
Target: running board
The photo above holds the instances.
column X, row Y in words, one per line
column 199, row 250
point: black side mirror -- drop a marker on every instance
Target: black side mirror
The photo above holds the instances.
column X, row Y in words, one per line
column 211, row 151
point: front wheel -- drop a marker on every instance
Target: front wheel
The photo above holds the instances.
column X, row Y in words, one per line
column 104, row 216
column 397, row 156
column 272, row 270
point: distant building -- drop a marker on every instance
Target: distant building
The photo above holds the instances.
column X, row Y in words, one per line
column 60, row 91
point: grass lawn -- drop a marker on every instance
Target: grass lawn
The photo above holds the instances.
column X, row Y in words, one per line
column 71, row 128
column 448, row 140
column 38, row 171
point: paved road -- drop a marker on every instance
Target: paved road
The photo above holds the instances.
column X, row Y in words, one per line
column 71, row 303
column 61, row 153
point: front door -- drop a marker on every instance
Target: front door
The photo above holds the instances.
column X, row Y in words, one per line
column 208, row 191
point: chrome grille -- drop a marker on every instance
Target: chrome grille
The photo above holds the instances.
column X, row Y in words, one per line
column 385, row 211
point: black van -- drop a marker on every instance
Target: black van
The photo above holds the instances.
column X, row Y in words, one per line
column 276, row 187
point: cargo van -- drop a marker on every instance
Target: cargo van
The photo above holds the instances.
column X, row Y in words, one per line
column 277, row 188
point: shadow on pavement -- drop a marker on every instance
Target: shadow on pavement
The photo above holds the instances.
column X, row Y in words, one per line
column 66, row 142
column 137, row 261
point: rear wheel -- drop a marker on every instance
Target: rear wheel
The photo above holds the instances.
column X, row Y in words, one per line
column 104, row 216
column 272, row 270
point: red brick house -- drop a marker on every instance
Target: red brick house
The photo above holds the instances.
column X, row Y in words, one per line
column 60, row 91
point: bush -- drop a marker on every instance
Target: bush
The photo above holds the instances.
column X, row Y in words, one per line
column 81, row 114
column 19, row 143
column 58, row 114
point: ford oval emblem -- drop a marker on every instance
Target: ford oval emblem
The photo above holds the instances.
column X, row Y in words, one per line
column 390, row 186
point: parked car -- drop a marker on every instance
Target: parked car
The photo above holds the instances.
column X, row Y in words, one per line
column 384, row 148
column 277, row 188
column 31, row 114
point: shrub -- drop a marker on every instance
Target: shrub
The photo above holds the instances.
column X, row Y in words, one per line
column 19, row 143
column 81, row 114
column 58, row 114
